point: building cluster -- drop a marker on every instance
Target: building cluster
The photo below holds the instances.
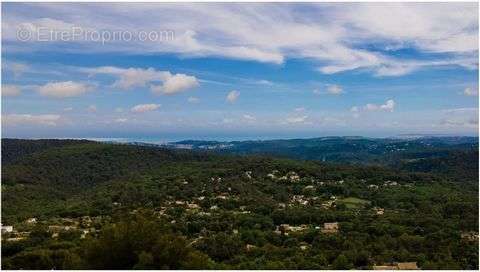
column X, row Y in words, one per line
column 291, row 176
column 328, row 228
column 84, row 225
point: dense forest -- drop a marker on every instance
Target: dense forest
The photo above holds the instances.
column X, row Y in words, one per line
column 89, row 205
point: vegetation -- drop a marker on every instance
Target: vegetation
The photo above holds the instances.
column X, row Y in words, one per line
column 108, row 206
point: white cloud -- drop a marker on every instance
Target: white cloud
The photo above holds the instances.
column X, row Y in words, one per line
column 461, row 110
column 119, row 110
column 31, row 119
column 121, row 120
column 297, row 119
column 175, row 84
column 144, row 108
column 264, row 82
column 68, row 109
column 129, row 78
column 388, row 106
column 354, row 109
column 470, row 92
column 233, row 96
column 192, row 99
column 468, row 123
column 317, row 91
column 334, row 89
column 63, row 89
column 10, row 90
column 249, row 117
column 268, row 32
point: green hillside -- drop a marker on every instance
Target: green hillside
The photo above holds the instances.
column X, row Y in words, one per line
column 132, row 207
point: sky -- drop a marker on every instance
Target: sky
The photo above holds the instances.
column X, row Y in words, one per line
column 238, row 71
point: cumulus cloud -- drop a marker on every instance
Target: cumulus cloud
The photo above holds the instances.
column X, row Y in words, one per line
column 388, row 106
column 129, row 78
column 232, row 96
column 175, row 84
column 121, row 120
column 144, row 108
column 63, row 89
column 10, row 90
column 31, row 119
column 470, row 92
column 334, row 89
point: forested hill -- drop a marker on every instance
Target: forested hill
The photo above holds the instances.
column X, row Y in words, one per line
column 89, row 205
column 15, row 149
column 343, row 149
column 455, row 157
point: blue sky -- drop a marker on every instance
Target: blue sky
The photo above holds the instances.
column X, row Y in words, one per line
column 239, row 71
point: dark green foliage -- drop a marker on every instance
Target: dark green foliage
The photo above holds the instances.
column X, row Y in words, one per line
column 134, row 190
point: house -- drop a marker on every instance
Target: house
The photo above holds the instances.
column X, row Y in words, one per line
column 408, row 266
column 300, row 199
column 304, row 246
column 309, row 187
column 330, row 227
column 15, row 239
column 84, row 234
column 293, row 176
column 298, row 228
column 192, row 206
column 7, row 229
column 285, row 228
column 250, row 247
column 32, row 220
column 385, row 267
column 397, row 266
column 379, row 211
column 390, row 183
column 329, row 204
column 470, row 236
column 248, row 174
column 58, row 228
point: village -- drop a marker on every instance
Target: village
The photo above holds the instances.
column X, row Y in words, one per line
column 212, row 203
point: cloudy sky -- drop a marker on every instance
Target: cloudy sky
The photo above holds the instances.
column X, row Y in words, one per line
column 219, row 71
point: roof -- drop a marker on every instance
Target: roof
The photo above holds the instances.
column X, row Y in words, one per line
column 385, row 267
column 408, row 266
